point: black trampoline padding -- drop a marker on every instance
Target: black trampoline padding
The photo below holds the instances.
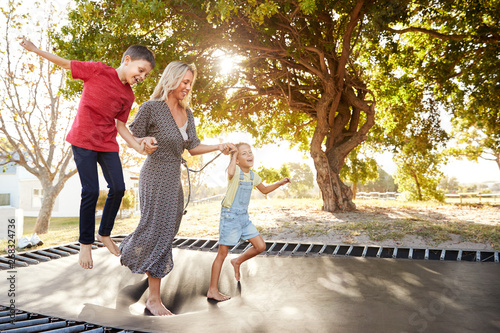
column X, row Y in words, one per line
column 276, row 294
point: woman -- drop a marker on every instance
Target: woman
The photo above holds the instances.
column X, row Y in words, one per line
column 167, row 118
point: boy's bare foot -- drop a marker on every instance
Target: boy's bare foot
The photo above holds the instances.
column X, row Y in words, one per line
column 236, row 267
column 157, row 308
column 85, row 256
column 110, row 244
column 216, row 295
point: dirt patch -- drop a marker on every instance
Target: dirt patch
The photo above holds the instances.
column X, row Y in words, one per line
column 406, row 226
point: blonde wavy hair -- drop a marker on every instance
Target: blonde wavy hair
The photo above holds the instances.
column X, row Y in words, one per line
column 171, row 79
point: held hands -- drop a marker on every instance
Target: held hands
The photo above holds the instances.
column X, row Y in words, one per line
column 150, row 144
column 227, row 148
column 29, row 46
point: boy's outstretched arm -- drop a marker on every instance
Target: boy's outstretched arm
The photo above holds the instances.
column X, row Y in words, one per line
column 64, row 63
column 265, row 189
column 129, row 137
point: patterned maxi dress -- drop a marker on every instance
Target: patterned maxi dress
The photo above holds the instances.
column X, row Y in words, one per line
column 149, row 247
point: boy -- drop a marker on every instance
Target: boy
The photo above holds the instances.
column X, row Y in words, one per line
column 103, row 111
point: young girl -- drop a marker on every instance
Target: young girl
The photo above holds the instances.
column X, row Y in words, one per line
column 234, row 220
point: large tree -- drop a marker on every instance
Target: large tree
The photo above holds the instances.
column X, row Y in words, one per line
column 310, row 70
column 34, row 120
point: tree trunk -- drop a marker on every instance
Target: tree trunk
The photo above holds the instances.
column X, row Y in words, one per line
column 50, row 194
column 43, row 219
column 336, row 195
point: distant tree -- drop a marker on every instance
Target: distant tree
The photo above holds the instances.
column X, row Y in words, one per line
column 383, row 183
column 449, row 184
column 302, row 179
column 473, row 142
column 34, row 117
column 358, row 169
column 271, row 175
column 128, row 201
column 418, row 176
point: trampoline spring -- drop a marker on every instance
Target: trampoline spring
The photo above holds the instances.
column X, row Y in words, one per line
column 379, row 252
column 204, row 244
column 48, row 254
column 270, row 249
column 487, row 258
column 96, row 330
column 410, row 254
column 309, row 249
column 175, row 241
column 349, row 250
column 24, row 323
column 59, row 252
column 395, row 253
column 27, row 260
column 426, row 255
column 283, row 249
column 181, row 244
column 7, row 319
column 443, row 253
column 295, row 249
column 214, row 246
column 247, row 247
column 322, row 250
column 337, row 248
column 365, row 250
column 37, row 256
column 68, row 249
column 235, row 247
column 193, row 244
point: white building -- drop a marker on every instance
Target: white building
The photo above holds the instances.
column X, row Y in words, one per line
column 22, row 190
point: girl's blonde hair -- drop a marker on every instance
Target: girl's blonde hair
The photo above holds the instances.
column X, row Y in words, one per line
column 171, row 79
column 238, row 145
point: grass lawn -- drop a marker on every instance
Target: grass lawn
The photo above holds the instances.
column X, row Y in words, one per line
column 202, row 221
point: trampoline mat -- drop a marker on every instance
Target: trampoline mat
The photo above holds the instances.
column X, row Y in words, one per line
column 276, row 294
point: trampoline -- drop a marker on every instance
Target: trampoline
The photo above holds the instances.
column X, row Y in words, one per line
column 279, row 292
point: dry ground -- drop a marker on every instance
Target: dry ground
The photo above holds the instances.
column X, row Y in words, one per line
column 387, row 223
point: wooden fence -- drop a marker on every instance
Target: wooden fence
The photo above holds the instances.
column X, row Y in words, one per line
column 456, row 197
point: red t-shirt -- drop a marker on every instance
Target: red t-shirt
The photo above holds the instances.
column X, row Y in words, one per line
column 104, row 99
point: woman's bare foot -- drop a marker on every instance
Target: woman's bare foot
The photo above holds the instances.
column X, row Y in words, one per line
column 216, row 295
column 85, row 256
column 157, row 308
column 236, row 267
column 110, row 244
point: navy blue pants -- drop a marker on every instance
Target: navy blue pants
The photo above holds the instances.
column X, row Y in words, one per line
column 86, row 162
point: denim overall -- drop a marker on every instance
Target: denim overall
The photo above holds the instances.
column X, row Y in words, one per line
column 235, row 224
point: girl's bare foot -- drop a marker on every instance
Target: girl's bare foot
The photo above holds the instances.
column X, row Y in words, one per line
column 236, row 267
column 216, row 295
column 157, row 308
column 110, row 244
column 85, row 256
